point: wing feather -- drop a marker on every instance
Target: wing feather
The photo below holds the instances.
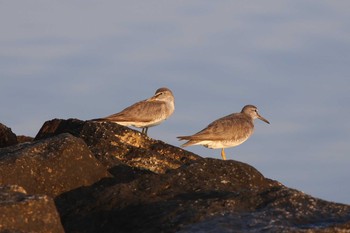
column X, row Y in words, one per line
column 217, row 130
column 143, row 111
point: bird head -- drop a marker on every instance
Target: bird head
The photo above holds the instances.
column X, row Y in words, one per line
column 252, row 111
column 163, row 94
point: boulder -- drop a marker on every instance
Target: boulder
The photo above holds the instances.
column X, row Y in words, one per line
column 113, row 144
column 151, row 186
column 23, row 139
column 51, row 166
column 20, row 212
column 7, row 137
column 208, row 195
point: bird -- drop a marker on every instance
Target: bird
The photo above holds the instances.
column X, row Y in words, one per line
column 146, row 113
column 228, row 131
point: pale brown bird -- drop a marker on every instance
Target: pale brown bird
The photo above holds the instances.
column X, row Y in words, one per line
column 146, row 113
column 228, row 131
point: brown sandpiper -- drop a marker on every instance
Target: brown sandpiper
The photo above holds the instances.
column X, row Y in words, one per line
column 228, row 131
column 146, row 113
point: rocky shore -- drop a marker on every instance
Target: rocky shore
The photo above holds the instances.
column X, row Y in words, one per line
column 80, row 176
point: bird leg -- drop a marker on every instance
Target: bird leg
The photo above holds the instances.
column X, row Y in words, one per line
column 144, row 130
column 223, row 155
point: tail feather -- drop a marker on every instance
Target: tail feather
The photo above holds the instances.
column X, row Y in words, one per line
column 184, row 138
column 189, row 142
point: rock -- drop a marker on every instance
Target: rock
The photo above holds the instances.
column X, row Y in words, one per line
column 23, row 139
column 51, row 166
column 7, row 137
column 58, row 126
column 208, row 195
column 114, row 144
column 20, row 212
column 155, row 187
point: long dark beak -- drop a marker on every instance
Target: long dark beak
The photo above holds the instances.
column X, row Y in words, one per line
column 263, row 119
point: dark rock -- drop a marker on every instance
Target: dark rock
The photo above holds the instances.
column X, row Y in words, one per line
column 114, row 144
column 23, row 139
column 206, row 196
column 51, row 166
column 7, row 137
column 58, row 126
column 282, row 210
column 20, row 212
column 155, row 187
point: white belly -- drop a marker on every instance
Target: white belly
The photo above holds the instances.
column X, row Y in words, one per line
column 221, row 144
column 142, row 124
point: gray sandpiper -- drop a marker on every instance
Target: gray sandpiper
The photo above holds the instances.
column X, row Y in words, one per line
column 228, row 131
column 146, row 113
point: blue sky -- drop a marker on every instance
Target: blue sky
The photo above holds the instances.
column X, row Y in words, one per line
column 74, row 59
